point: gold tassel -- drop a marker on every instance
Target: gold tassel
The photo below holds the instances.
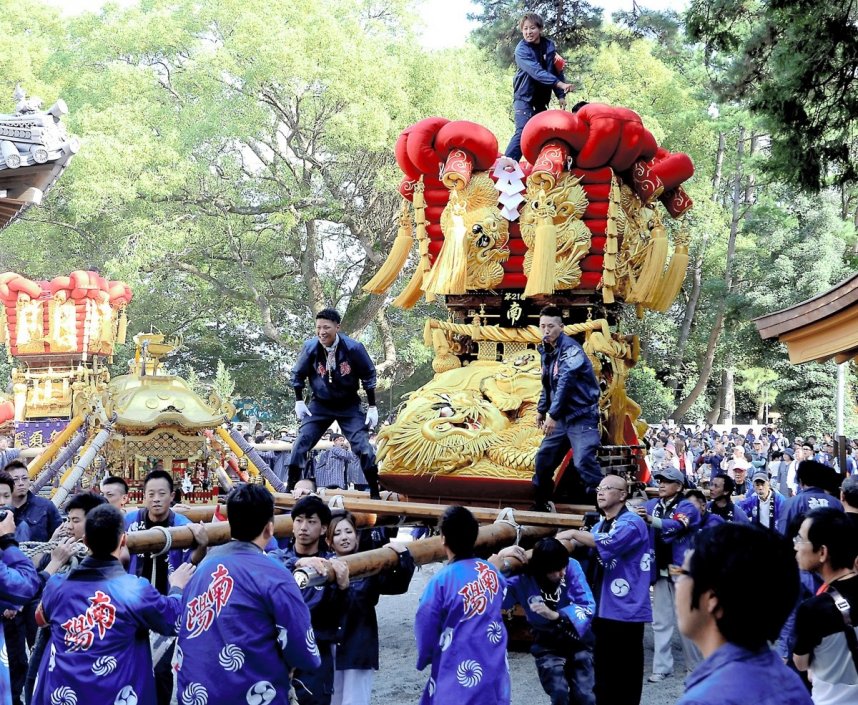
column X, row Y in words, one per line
column 540, row 280
column 122, row 328
column 449, row 275
column 673, row 279
column 425, row 264
column 411, row 294
column 650, row 275
column 609, row 258
column 397, row 258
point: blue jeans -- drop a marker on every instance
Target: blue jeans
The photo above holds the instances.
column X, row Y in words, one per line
column 582, row 436
column 352, row 421
column 522, row 115
column 566, row 677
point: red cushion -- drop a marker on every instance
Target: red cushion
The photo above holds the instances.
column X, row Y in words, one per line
column 597, row 192
column 516, row 246
column 590, row 280
column 420, row 145
column 597, row 210
column 433, row 214
column 406, row 188
column 552, row 125
column 513, row 280
column 597, row 226
column 673, row 170
column 436, row 197
column 476, row 140
column 515, row 263
column 434, row 231
column 592, row 263
column 594, row 176
column 411, row 172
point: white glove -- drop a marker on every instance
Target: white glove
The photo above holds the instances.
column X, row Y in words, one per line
column 372, row 416
column 301, row 410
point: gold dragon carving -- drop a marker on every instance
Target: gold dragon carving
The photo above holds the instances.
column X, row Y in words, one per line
column 486, row 232
column 479, row 419
column 565, row 205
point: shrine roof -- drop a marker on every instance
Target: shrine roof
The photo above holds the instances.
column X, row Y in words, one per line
column 820, row 328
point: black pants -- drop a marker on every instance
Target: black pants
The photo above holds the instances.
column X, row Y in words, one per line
column 15, row 631
column 316, row 687
column 618, row 645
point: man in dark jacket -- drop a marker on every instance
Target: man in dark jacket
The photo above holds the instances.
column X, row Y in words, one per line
column 536, row 78
column 336, row 367
column 568, row 410
column 41, row 519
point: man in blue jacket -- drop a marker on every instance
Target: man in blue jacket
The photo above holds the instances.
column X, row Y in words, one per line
column 19, row 583
column 536, row 78
column 567, row 412
column 673, row 522
column 158, row 494
column 336, row 367
column 559, row 608
column 244, row 624
column 764, row 506
column 620, row 572
column 712, row 611
column 811, row 477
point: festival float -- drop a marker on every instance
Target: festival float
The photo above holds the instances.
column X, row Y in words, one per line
column 61, row 334
column 580, row 223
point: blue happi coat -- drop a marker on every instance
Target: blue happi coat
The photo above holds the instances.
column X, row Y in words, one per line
column 100, row 618
column 798, row 507
column 678, row 528
column 751, row 507
column 460, row 632
column 136, row 521
column 244, row 625
column 575, row 605
column 19, row 583
column 626, row 556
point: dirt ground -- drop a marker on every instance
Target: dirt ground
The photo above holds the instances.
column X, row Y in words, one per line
column 399, row 683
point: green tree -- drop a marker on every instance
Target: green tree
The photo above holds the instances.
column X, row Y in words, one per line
column 237, row 166
column 795, row 64
column 572, row 25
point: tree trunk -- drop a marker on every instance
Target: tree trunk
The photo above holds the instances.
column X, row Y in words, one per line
column 728, row 408
column 719, row 165
column 308, row 268
column 714, row 412
column 705, row 369
column 751, row 184
column 718, row 325
column 696, row 277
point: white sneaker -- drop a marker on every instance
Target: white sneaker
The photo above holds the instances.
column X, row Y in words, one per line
column 658, row 677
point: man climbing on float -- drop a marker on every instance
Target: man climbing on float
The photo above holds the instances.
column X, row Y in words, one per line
column 336, row 367
column 567, row 413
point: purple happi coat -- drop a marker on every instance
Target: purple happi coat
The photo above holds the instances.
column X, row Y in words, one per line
column 460, row 631
column 100, row 618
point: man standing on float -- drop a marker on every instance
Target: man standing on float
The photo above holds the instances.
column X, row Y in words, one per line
column 568, row 410
column 336, row 367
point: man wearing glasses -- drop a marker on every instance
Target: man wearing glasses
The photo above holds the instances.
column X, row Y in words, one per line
column 712, row 611
column 620, row 576
column 673, row 522
column 825, row 643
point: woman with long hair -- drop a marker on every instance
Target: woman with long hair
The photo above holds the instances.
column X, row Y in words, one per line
column 356, row 655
